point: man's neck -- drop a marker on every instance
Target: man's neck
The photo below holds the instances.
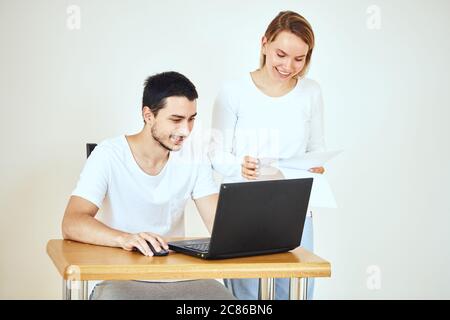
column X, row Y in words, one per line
column 147, row 151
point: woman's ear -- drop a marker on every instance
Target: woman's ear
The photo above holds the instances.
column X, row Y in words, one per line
column 263, row 44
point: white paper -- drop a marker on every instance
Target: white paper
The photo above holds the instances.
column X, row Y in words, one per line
column 321, row 194
column 297, row 168
column 308, row 160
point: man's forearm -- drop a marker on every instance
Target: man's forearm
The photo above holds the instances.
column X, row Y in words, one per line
column 87, row 229
column 209, row 224
column 207, row 208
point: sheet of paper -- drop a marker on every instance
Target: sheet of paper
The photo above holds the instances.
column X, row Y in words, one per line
column 308, row 160
column 297, row 168
column 321, row 193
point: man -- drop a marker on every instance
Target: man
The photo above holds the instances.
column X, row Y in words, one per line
column 143, row 182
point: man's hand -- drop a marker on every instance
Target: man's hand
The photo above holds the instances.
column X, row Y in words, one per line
column 128, row 241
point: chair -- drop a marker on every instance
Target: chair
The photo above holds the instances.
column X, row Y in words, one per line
column 89, row 148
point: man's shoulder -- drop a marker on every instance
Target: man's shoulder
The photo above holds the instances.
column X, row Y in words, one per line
column 111, row 146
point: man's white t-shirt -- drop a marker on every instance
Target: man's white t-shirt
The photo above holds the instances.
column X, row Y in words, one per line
column 134, row 201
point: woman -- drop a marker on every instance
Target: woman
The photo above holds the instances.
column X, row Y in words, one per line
column 270, row 114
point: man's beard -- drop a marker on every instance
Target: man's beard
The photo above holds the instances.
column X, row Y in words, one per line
column 155, row 136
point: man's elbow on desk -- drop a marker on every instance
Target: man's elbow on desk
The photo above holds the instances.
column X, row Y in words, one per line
column 76, row 218
column 72, row 226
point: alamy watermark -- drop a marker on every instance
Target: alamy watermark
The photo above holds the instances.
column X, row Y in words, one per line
column 73, row 21
column 373, row 281
column 373, row 21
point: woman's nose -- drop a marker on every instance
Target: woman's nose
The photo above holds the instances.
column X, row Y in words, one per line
column 289, row 65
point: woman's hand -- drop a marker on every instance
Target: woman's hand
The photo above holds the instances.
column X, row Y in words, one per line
column 250, row 168
column 320, row 170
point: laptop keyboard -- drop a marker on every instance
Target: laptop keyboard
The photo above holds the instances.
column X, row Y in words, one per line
column 203, row 247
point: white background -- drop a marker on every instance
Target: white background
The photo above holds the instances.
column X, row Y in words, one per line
column 386, row 93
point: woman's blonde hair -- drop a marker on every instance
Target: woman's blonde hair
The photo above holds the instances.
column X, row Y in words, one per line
column 296, row 24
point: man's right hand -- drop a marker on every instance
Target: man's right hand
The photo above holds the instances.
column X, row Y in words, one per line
column 129, row 241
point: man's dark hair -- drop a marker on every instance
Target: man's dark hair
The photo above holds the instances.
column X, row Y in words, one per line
column 166, row 84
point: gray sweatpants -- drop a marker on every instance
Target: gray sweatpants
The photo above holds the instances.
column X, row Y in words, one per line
column 143, row 290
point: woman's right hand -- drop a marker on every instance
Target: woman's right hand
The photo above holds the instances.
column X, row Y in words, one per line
column 250, row 168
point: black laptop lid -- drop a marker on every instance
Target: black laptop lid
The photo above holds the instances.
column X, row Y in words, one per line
column 260, row 217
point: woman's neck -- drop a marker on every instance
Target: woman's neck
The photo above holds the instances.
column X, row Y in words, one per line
column 269, row 86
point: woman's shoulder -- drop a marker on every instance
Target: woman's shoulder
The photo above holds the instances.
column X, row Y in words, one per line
column 309, row 85
column 236, row 83
column 232, row 91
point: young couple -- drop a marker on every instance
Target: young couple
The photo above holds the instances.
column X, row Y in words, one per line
column 140, row 184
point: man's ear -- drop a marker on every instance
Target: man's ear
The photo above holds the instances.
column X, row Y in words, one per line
column 148, row 115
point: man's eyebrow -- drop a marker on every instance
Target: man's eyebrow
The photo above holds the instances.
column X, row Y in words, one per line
column 182, row 117
column 303, row 55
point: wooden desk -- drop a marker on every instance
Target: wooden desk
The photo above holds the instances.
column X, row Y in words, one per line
column 78, row 263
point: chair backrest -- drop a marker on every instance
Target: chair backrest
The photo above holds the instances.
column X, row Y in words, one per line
column 89, row 148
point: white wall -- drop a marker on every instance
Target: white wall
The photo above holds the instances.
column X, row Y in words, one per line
column 386, row 97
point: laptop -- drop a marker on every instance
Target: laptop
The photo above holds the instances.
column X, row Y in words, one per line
column 254, row 218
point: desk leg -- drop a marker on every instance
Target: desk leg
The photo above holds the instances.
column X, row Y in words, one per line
column 84, row 290
column 266, row 289
column 80, row 286
column 298, row 289
column 67, row 289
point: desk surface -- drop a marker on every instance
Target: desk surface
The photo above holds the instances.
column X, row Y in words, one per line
column 79, row 261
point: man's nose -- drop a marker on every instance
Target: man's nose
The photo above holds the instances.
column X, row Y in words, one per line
column 184, row 130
